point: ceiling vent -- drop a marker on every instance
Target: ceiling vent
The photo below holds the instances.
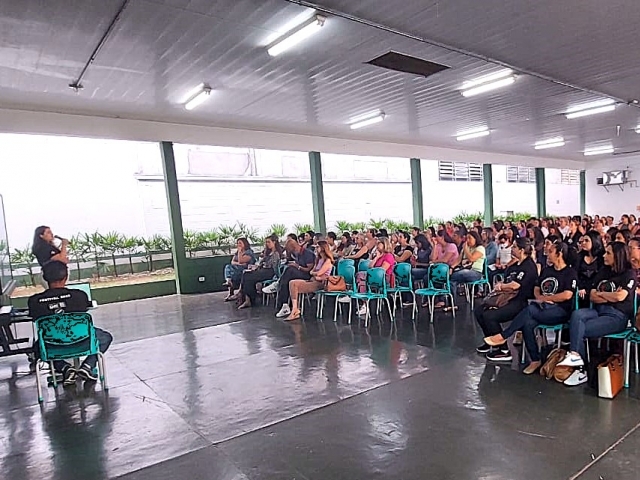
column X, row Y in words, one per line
column 407, row 64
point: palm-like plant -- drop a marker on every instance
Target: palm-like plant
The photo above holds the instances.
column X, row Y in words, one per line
column 300, row 228
column 94, row 241
column 155, row 244
column 359, row 226
column 228, row 236
column 432, row 221
column 77, row 249
column 377, row 224
column 112, row 244
column 192, row 241
column 343, row 226
column 278, row 229
column 26, row 257
column 131, row 245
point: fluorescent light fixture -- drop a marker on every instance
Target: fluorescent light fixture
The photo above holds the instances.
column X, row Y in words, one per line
column 599, row 150
column 638, row 129
column 292, row 24
column 365, row 121
column 305, row 31
column 487, row 83
column 551, row 143
column 197, row 96
column 474, row 133
column 600, row 106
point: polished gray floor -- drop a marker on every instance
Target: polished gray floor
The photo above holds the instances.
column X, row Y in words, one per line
column 202, row 391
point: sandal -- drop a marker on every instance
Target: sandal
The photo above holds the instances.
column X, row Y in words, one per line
column 450, row 309
column 294, row 315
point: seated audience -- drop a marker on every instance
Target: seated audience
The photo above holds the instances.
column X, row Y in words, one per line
column 300, row 268
column 470, row 264
column 403, row 252
column 371, row 240
column 552, row 305
column 332, row 240
column 345, row 247
column 612, row 299
column 590, row 261
column 307, row 238
column 574, row 234
column 634, row 256
column 243, row 257
column 490, row 245
column 422, row 258
column 520, row 277
column 265, row 270
column 360, row 251
column 59, row 299
column 537, row 239
column 623, row 235
column 318, row 276
column 382, row 258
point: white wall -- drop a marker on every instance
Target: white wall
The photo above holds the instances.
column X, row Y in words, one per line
column 562, row 200
column 614, row 202
column 511, row 197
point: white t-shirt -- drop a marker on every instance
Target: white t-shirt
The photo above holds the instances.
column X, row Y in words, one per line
column 504, row 253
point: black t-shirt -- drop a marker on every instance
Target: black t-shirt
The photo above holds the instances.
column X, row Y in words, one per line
column 399, row 250
column 305, row 257
column 587, row 272
column 57, row 300
column 44, row 251
column 526, row 274
column 608, row 281
column 554, row 281
column 573, row 240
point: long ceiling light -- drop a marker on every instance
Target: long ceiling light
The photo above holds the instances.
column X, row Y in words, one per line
column 593, row 108
column 550, row 143
column 474, row 133
column 197, row 96
column 638, row 129
column 599, row 150
column 365, row 121
column 487, row 83
column 290, row 39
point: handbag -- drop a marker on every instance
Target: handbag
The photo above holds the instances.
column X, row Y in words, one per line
column 498, row 299
column 336, row 283
column 555, row 356
column 610, row 376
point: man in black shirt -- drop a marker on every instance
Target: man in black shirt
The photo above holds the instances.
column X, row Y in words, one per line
column 59, row 299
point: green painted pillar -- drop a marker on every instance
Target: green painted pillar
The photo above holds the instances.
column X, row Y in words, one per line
column 541, row 193
column 317, row 192
column 583, row 192
column 487, row 175
column 175, row 213
column 416, row 190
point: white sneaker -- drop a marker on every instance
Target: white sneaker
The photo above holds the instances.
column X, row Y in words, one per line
column 363, row 309
column 577, row 377
column 284, row 311
column 572, row 360
column 271, row 288
column 344, row 299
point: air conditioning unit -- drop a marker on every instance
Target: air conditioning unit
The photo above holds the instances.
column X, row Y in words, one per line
column 615, row 177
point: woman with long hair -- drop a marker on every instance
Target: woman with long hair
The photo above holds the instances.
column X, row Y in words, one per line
column 613, row 305
column 243, row 257
column 319, row 274
column 44, row 248
column 590, row 261
column 552, row 305
column 265, row 270
column 382, row 258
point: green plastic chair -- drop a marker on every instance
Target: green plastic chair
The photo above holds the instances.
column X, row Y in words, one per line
column 67, row 336
column 403, row 283
column 347, row 270
column 376, row 290
column 438, row 283
column 470, row 287
column 364, row 265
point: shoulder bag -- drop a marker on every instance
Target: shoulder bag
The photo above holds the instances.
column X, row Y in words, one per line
column 336, row 283
column 498, row 299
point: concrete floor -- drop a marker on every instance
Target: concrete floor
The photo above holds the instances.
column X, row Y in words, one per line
column 201, row 391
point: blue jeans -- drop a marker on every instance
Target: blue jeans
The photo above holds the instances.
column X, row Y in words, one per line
column 419, row 273
column 234, row 273
column 528, row 320
column 464, row 276
column 594, row 323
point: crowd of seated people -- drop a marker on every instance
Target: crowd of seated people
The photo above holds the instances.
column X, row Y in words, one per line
column 578, row 271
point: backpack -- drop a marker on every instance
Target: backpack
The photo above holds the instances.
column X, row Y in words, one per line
column 555, row 356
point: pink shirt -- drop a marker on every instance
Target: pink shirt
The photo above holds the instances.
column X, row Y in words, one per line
column 448, row 250
column 387, row 257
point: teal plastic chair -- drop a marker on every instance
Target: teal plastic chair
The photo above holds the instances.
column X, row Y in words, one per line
column 347, row 271
column 67, row 336
column 364, row 265
column 347, row 261
column 376, row 285
column 438, row 283
column 403, row 283
column 470, row 287
column 631, row 335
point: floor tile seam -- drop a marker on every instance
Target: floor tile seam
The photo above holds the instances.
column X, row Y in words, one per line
column 321, row 407
column 606, row 452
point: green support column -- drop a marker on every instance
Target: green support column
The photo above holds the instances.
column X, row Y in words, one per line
column 317, row 192
column 175, row 213
column 583, row 192
column 416, row 190
column 487, row 175
column 541, row 193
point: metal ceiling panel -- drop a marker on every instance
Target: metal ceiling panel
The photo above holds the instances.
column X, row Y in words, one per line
column 161, row 49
